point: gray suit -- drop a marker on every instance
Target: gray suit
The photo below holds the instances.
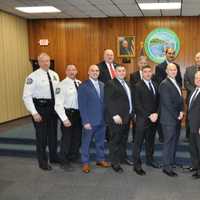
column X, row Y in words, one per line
column 194, row 122
column 189, row 86
column 171, row 104
column 189, row 78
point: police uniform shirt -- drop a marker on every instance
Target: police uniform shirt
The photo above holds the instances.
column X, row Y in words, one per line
column 37, row 86
column 66, row 97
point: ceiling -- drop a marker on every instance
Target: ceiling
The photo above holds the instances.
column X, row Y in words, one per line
column 99, row 8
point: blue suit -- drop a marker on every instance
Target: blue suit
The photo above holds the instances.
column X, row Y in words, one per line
column 91, row 108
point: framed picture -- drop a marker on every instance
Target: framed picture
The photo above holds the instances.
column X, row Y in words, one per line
column 126, row 46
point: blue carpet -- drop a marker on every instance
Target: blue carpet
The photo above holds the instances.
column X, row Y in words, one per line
column 20, row 142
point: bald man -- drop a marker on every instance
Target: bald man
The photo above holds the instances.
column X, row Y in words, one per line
column 171, row 114
column 189, row 83
column 107, row 66
column 91, row 106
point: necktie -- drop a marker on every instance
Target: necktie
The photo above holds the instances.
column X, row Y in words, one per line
column 193, row 97
column 51, row 87
column 151, row 88
column 96, row 85
column 76, row 85
column 112, row 71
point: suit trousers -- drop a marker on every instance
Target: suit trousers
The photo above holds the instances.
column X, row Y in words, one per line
column 46, row 134
column 195, row 149
column 71, row 137
column 171, row 136
column 118, row 142
column 98, row 133
column 146, row 134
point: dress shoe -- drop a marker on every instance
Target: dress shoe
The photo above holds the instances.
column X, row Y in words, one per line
column 140, row 171
column 103, row 164
column 197, row 175
column 67, row 167
column 186, row 140
column 174, row 173
column 45, row 167
column 86, row 168
column 153, row 164
column 127, row 162
column 191, row 169
column 169, row 173
column 117, row 168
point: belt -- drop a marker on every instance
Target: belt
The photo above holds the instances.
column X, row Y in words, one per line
column 71, row 110
column 43, row 102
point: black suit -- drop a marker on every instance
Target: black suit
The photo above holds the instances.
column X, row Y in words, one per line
column 194, row 123
column 104, row 75
column 117, row 103
column 161, row 74
column 171, row 104
column 145, row 103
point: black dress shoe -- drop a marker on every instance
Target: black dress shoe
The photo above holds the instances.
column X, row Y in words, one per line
column 140, row 171
column 191, row 169
column 117, row 168
column 197, row 176
column 127, row 162
column 45, row 167
column 174, row 173
column 169, row 173
column 153, row 164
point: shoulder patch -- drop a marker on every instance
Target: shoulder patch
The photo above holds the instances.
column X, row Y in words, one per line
column 57, row 90
column 54, row 78
column 29, row 81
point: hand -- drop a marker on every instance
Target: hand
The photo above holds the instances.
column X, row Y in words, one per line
column 117, row 119
column 67, row 123
column 37, row 117
column 88, row 126
column 153, row 117
column 199, row 131
column 180, row 117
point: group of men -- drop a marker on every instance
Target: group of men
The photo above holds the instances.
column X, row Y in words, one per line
column 104, row 106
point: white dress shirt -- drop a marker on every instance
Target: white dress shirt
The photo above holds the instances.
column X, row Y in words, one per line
column 96, row 85
column 37, row 86
column 147, row 84
column 128, row 92
column 66, row 97
column 176, row 85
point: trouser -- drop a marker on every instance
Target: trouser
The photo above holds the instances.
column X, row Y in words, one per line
column 71, row 137
column 98, row 132
column 146, row 134
column 195, row 149
column 171, row 137
column 118, row 142
column 46, row 133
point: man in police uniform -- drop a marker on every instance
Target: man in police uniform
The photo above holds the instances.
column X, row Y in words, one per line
column 39, row 99
column 66, row 106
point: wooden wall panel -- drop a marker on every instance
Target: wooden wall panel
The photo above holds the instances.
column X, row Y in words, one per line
column 15, row 65
column 82, row 41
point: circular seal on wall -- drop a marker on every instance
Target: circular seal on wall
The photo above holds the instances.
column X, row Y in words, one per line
column 158, row 41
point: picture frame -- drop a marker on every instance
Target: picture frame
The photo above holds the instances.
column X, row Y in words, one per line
column 126, row 46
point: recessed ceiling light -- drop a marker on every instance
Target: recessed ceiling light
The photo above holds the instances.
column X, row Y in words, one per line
column 38, row 9
column 160, row 6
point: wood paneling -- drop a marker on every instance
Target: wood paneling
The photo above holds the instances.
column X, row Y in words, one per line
column 82, row 41
column 14, row 67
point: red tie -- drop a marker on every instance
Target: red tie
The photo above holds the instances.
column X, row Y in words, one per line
column 112, row 71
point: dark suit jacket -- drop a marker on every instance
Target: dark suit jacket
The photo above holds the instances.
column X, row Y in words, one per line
column 134, row 78
column 145, row 103
column 189, row 78
column 104, row 75
column 171, row 103
column 116, row 101
column 193, row 115
column 161, row 74
column 91, row 106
